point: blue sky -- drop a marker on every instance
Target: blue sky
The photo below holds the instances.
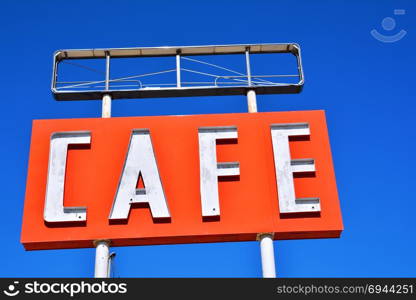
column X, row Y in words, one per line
column 365, row 86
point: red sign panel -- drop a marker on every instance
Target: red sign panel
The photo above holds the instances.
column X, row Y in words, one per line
column 179, row 179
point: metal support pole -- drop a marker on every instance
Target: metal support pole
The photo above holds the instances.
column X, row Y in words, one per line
column 266, row 239
column 248, row 66
column 251, row 101
column 106, row 103
column 251, row 94
column 178, row 70
column 102, row 247
column 106, row 106
column 107, row 70
column 102, row 258
column 267, row 255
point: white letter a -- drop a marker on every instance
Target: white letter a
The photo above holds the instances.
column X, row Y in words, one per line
column 140, row 161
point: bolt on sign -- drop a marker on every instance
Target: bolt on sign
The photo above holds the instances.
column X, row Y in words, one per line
column 180, row 179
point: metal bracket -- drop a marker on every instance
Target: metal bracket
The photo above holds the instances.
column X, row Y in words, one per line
column 259, row 235
column 95, row 242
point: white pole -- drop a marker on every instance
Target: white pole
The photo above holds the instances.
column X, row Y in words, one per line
column 106, row 106
column 251, row 101
column 102, row 258
column 251, row 94
column 267, row 255
column 248, row 66
column 266, row 239
column 102, row 247
column 178, row 70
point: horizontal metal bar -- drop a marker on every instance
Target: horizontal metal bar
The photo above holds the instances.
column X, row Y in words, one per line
column 245, row 76
column 167, row 84
column 172, row 51
column 103, row 86
column 71, row 82
column 175, row 92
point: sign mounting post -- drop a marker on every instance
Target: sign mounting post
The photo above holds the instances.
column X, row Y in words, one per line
column 266, row 239
column 102, row 247
column 102, row 259
column 106, row 105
